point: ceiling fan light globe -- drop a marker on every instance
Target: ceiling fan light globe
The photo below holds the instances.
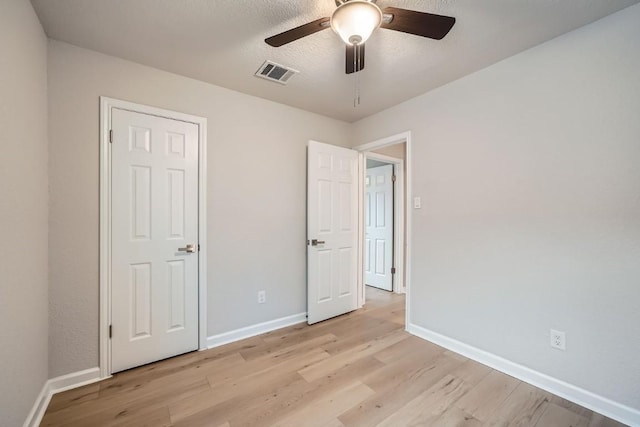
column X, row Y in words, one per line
column 355, row 20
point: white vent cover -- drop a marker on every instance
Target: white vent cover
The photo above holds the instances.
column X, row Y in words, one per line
column 276, row 72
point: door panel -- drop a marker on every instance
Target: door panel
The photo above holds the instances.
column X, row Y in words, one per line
column 332, row 220
column 379, row 227
column 141, row 202
column 177, row 292
column 154, row 284
column 140, row 314
column 176, row 201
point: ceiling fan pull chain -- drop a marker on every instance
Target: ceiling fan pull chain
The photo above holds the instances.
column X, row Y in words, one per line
column 355, row 94
column 358, row 88
column 355, row 81
column 356, row 67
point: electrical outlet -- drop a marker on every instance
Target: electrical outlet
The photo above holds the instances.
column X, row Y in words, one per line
column 262, row 297
column 557, row 339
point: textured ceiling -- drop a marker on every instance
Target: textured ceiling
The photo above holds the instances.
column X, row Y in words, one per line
column 221, row 42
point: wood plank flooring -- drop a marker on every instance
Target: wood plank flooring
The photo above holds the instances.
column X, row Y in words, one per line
column 360, row 369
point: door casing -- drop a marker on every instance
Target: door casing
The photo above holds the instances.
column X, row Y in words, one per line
column 106, row 105
column 401, row 203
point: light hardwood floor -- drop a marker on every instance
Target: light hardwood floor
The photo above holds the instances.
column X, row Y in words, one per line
column 360, row 369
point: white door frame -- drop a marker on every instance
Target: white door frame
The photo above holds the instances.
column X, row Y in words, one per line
column 364, row 152
column 397, row 279
column 106, row 104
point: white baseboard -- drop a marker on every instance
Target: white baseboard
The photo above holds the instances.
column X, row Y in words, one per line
column 253, row 330
column 39, row 407
column 57, row 385
column 597, row 403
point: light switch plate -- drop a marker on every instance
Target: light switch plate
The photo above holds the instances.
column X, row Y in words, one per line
column 417, row 203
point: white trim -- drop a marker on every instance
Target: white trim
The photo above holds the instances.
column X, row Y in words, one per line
column 106, row 104
column 385, row 142
column 105, row 238
column 382, row 157
column 380, row 143
column 253, row 330
column 362, row 170
column 39, row 407
column 590, row 400
column 202, row 233
column 74, row 380
column 57, row 385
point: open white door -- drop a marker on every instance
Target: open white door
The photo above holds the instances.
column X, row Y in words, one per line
column 154, row 273
column 332, row 230
column 378, row 240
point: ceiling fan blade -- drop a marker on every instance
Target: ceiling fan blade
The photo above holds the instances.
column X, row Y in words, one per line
column 298, row 32
column 355, row 58
column 418, row 23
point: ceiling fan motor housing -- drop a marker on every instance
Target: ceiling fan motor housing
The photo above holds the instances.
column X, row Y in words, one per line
column 355, row 20
column 341, row 2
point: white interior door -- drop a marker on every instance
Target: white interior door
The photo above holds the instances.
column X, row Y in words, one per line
column 379, row 227
column 332, row 230
column 154, row 276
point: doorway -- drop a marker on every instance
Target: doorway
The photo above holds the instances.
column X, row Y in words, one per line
column 395, row 151
column 152, row 234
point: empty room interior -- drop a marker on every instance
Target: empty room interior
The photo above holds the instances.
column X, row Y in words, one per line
column 217, row 213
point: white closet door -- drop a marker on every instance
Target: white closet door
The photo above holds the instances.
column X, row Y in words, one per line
column 154, row 277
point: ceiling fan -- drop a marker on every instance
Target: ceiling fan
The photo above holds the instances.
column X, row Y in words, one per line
column 355, row 20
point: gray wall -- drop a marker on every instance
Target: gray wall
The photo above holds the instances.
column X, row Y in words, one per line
column 256, row 195
column 529, row 173
column 23, row 210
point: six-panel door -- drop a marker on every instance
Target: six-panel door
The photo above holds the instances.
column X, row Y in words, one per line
column 154, row 279
column 332, row 221
column 378, row 240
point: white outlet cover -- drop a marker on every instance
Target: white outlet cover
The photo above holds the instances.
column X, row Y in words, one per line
column 417, row 202
column 557, row 339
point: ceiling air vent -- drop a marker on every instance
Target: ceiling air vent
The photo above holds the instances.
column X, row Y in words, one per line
column 275, row 72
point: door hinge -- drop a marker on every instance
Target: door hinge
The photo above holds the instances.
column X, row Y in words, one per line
column 110, row 331
column 393, row 270
column 111, row 135
column 198, row 247
column 393, row 178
